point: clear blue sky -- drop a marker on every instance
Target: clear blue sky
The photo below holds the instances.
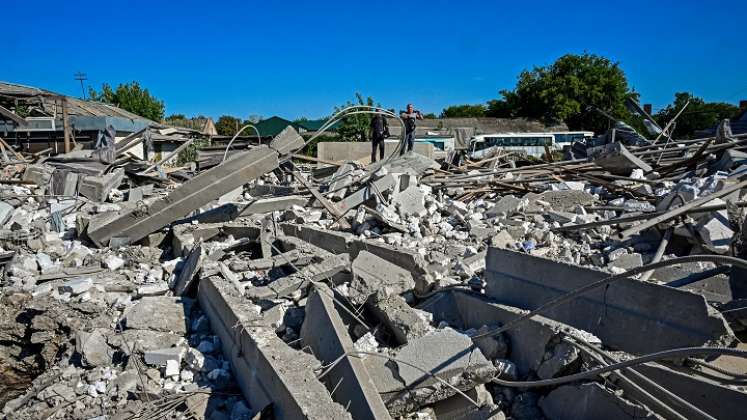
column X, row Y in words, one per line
column 302, row 58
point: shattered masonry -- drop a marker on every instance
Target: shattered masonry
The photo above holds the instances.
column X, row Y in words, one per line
column 262, row 288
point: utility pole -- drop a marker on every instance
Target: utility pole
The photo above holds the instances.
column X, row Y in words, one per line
column 81, row 76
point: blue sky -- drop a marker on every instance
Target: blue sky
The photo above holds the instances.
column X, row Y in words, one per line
column 294, row 58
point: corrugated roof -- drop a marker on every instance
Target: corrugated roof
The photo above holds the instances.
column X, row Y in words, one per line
column 76, row 107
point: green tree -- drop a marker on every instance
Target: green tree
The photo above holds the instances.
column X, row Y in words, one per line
column 227, row 125
column 430, row 116
column 564, row 90
column 464, row 111
column 355, row 127
column 130, row 97
column 699, row 114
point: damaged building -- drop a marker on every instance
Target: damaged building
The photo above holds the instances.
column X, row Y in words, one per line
column 610, row 285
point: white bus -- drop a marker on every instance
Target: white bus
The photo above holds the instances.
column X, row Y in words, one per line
column 532, row 144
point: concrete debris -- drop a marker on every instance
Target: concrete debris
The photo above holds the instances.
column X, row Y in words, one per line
column 373, row 274
column 265, row 287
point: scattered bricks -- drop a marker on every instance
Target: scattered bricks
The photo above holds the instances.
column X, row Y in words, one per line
column 372, row 273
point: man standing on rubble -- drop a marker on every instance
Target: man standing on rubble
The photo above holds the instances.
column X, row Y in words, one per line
column 409, row 118
column 379, row 132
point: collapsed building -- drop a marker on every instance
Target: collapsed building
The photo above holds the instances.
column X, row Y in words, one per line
column 605, row 286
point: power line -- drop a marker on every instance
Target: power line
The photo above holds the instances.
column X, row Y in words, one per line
column 81, row 77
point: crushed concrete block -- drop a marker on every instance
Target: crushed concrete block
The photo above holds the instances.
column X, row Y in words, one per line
column 97, row 188
column 410, row 202
column 172, row 368
column 563, row 358
column 715, row 231
column 38, row 174
column 372, row 274
column 386, row 183
column 161, row 357
column 503, row 240
column 94, row 348
column 6, row 210
column 113, row 262
column 507, row 205
column 401, row 319
column 627, row 261
column 76, row 286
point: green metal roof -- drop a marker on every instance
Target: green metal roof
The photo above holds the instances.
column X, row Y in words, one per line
column 272, row 126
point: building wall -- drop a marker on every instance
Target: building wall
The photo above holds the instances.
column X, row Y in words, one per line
column 361, row 151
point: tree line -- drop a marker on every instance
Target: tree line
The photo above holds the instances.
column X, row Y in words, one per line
column 570, row 90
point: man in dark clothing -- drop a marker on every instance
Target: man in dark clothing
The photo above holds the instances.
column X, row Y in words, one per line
column 409, row 118
column 379, row 132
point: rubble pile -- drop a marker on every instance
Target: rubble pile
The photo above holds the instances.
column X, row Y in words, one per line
column 264, row 288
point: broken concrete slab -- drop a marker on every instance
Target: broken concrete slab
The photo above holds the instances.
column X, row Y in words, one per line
column 617, row 159
column 372, row 274
column 300, row 281
column 40, row 175
column 619, row 314
column 343, row 242
column 287, row 141
column 159, row 314
column 325, row 333
column 385, row 183
column 527, row 342
column 267, row 370
column 446, row 353
column 205, row 187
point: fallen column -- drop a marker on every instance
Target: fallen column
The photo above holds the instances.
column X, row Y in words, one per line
column 326, row 334
column 268, row 370
column 136, row 224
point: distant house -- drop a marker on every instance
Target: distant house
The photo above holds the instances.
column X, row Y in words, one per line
column 33, row 118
